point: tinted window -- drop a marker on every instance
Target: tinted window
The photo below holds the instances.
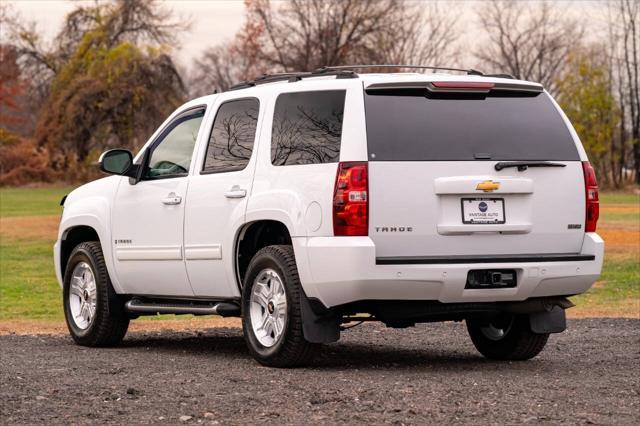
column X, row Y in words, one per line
column 232, row 136
column 410, row 127
column 171, row 156
column 307, row 127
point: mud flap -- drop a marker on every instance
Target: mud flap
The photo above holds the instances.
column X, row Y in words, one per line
column 545, row 322
column 319, row 325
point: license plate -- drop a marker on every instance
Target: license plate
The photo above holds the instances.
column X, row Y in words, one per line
column 483, row 211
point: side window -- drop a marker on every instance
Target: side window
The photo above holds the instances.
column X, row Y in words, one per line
column 171, row 156
column 307, row 127
column 232, row 136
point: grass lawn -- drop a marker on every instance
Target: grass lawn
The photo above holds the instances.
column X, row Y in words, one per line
column 618, row 290
column 28, row 287
column 29, row 291
column 31, row 201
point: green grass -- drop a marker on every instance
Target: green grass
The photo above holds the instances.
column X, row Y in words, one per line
column 619, row 217
column 619, row 198
column 29, row 290
column 31, row 201
column 28, row 287
column 620, row 281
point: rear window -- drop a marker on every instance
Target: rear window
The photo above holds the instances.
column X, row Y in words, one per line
column 307, row 127
column 409, row 126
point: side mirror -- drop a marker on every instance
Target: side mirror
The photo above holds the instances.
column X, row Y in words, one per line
column 116, row 161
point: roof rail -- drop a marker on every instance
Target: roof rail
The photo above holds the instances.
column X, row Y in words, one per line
column 323, row 70
column 292, row 77
column 264, row 78
column 346, row 71
column 501, row 75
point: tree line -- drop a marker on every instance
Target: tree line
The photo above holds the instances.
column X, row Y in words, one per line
column 109, row 77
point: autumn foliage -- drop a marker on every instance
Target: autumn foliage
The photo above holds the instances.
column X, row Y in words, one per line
column 22, row 162
column 107, row 81
column 12, row 88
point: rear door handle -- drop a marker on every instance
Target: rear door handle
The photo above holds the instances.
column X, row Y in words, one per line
column 172, row 199
column 236, row 192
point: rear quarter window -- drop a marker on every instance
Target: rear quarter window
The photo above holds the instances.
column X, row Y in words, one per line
column 409, row 126
column 232, row 136
column 307, row 127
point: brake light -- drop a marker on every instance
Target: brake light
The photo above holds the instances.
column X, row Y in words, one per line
column 351, row 200
column 592, row 199
column 462, row 85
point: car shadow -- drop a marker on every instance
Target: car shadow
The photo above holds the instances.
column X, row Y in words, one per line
column 218, row 341
column 222, row 344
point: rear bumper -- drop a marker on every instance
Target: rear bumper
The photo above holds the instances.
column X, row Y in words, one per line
column 340, row 270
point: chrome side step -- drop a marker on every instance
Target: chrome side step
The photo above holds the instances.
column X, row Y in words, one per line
column 141, row 307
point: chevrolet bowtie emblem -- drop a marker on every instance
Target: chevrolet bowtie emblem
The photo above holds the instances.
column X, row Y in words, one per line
column 488, row 186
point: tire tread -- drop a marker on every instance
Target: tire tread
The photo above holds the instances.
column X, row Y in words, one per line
column 295, row 350
column 519, row 344
column 111, row 322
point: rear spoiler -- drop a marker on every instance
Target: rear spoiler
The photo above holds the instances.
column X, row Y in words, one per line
column 479, row 87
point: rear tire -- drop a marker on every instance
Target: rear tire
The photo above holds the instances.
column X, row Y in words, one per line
column 271, row 312
column 94, row 314
column 507, row 337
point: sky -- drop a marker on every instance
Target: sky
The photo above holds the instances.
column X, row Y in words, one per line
column 215, row 21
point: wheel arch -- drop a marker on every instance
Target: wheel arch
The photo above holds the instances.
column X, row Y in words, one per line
column 253, row 236
column 73, row 236
column 77, row 229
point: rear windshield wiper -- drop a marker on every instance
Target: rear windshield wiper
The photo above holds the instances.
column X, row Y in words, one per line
column 524, row 165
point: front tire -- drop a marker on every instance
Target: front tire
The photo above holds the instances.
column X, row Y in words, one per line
column 506, row 337
column 94, row 315
column 271, row 312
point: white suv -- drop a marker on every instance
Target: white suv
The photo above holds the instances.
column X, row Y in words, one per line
column 305, row 201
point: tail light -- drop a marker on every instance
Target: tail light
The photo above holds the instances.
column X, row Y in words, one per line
column 351, row 200
column 591, row 192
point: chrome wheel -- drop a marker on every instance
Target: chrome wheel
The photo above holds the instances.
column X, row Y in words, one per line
column 268, row 307
column 82, row 295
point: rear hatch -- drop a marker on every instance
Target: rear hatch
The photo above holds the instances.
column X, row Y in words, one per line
column 442, row 177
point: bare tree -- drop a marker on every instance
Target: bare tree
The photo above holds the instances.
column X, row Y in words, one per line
column 623, row 57
column 425, row 35
column 217, row 70
column 528, row 40
column 308, row 34
column 302, row 35
column 628, row 47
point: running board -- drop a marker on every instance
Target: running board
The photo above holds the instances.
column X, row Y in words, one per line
column 140, row 307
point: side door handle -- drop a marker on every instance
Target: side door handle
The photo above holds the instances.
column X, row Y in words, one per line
column 236, row 192
column 172, row 199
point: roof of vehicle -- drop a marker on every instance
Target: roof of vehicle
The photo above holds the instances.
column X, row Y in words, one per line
column 373, row 71
column 369, row 79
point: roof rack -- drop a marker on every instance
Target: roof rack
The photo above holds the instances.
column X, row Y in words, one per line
column 322, row 70
column 292, row 77
column 346, row 71
column 469, row 71
column 501, row 75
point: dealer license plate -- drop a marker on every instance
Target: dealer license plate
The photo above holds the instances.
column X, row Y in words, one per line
column 485, row 211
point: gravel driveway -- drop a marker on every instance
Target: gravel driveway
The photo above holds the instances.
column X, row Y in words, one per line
column 431, row 373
